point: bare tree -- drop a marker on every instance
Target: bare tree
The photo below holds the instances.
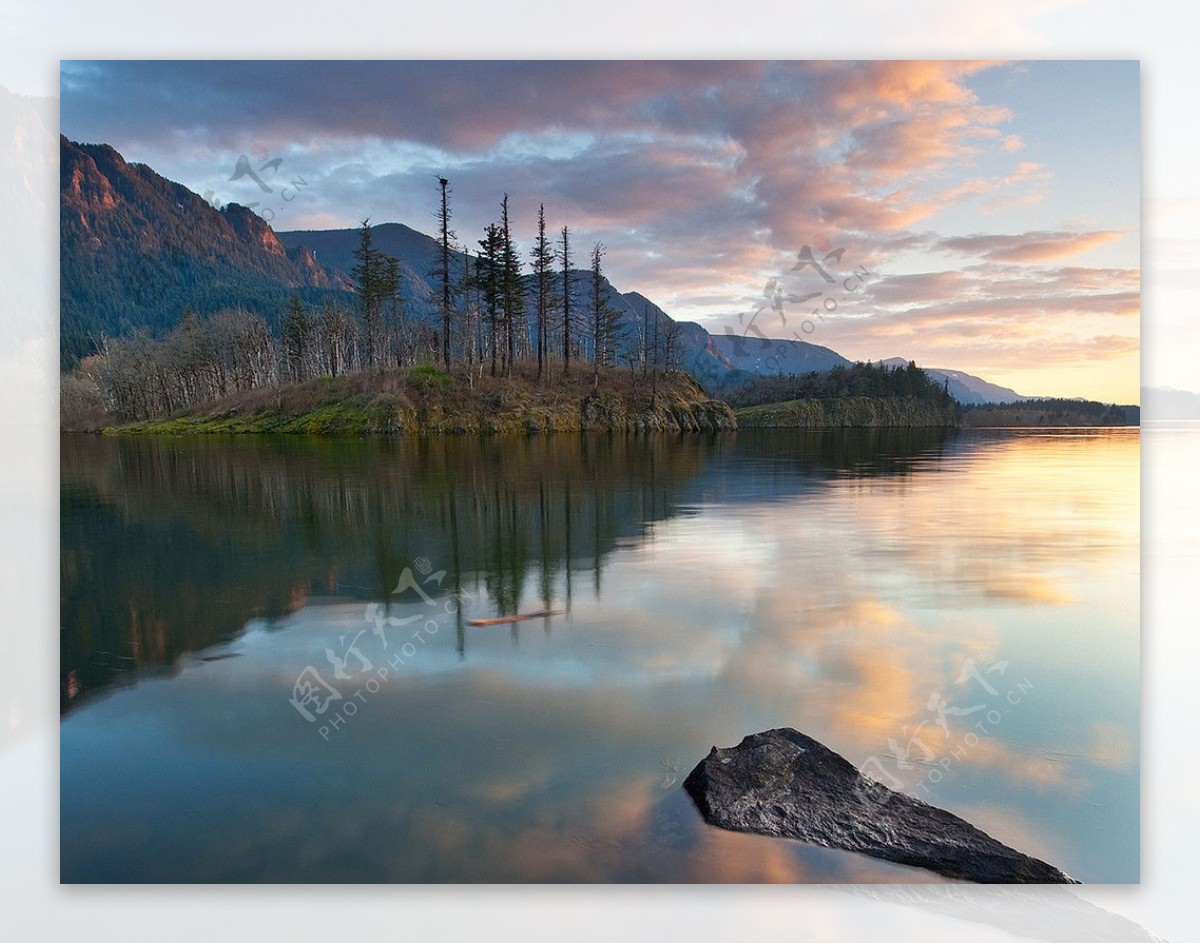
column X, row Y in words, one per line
column 444, row 225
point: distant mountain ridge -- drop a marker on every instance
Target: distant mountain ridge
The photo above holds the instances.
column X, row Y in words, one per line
column 1167, row 403
column 777, row 356
column 137, row 250
column 717, row 359
column 965, row 388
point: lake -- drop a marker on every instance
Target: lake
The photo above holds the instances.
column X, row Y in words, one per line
column 269, row 672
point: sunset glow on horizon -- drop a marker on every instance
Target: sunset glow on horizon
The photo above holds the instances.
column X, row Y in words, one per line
column 993, row 207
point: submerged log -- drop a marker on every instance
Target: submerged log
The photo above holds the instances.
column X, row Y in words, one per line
column 783, row 783
column 515, row 618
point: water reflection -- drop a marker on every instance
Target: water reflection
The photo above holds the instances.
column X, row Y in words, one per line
column 170, row 545
column 710, row 587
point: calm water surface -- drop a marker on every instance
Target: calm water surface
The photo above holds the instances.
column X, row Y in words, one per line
column 956, row 612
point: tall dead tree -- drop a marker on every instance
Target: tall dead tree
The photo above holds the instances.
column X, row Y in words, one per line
column 444, row 225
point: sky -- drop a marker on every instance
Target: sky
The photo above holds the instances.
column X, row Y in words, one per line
column 977, row 216
column 38, row 35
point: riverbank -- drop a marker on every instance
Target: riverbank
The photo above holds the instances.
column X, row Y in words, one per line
column 834, row 412
column 427, row 399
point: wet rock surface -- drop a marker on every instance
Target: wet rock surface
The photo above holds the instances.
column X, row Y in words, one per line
column 784, row 783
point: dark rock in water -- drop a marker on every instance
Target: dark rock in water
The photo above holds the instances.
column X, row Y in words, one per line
column 783, row 783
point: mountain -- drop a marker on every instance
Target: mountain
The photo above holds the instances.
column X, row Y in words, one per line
column 138, row 249
column 965, row 388
column 695, row 352
column 334, row 248
column 722, row 361
column 1167, row 403
column 776, row 355
column 419, row 256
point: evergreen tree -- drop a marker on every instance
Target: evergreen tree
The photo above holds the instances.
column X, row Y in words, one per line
column 394, row 332
column 511, row 288
column 489, row 275
column 565, row 257
column 468, row 292
column 543, row 265
column 297, row 331
column 605, row 319
column 370, row 277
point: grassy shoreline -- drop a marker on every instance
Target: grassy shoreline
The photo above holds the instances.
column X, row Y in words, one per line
column 847, row 412
column 428, row 400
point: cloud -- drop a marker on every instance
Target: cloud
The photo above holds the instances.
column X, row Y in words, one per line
column 984, row 316
column 1110, row 746
column 1029, row 247
column 701, row 178
column 733, row 148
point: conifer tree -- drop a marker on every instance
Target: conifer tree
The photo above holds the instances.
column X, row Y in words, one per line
column 511, row 289
column 565, row 257
column 297, row 336
column 543, row 264
column 488, row 267
column 370, row 277
column 605, row 319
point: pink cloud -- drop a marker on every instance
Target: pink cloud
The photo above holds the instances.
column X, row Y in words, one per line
column 1029, row 247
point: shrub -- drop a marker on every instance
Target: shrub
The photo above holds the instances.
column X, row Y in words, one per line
column 429, row 377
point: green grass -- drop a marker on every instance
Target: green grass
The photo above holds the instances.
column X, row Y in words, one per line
column 427, row 399
column 847, row 411
column 430, row 377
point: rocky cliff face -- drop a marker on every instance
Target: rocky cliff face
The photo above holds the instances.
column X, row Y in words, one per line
column 608, row 411
column 138, row 249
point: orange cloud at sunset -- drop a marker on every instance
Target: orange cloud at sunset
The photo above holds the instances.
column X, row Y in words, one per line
column 1029, row 247
column 703, row 178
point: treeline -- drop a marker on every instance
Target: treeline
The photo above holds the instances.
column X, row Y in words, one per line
column 495, row 313
column 92, row 314
column 205, row 359
column 1052, row 412
column 877, row 381
column 493, row 309
column 492, row 315
column 856, row 412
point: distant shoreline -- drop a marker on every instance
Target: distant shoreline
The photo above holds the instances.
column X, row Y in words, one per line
column 427, row 400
